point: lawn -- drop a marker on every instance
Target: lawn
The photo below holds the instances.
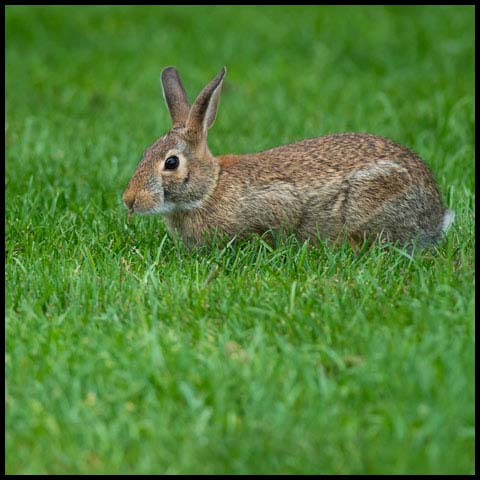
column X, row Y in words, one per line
column 128, row 353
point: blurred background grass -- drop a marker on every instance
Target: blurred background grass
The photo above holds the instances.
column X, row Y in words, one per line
column 116, row 357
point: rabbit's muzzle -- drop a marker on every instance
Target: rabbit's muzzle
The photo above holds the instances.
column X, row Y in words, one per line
column 140, row 201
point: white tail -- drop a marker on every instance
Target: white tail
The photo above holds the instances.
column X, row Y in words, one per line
column 448, row 218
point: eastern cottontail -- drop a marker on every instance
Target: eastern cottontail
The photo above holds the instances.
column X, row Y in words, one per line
column 351, row 186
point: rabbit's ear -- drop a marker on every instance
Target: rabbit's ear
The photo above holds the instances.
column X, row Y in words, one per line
column 175, row 96
column 204, row 109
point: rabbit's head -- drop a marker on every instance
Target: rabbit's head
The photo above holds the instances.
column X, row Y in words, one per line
column 178, row 171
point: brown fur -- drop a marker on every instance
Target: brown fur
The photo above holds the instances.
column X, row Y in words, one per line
column 352, row 185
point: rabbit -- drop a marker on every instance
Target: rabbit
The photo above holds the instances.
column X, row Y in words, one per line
column 352, row 187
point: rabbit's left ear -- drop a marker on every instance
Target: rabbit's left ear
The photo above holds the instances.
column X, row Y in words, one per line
column 204, row 109
column 175, row 96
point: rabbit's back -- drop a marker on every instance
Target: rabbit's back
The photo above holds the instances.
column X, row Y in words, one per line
column 327, row 157
column 358, row 184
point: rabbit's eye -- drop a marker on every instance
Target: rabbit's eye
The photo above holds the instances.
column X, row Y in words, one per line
column 171, row 163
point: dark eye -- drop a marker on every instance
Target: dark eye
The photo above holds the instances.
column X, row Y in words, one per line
column 171, row 163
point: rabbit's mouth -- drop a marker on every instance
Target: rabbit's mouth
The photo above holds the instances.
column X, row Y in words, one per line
column 162, row 208
column 168, row 207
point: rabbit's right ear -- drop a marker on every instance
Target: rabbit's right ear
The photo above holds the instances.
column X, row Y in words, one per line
column 175, row 96
column 204, row 109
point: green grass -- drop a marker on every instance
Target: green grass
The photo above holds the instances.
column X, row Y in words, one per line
column 127, row 353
